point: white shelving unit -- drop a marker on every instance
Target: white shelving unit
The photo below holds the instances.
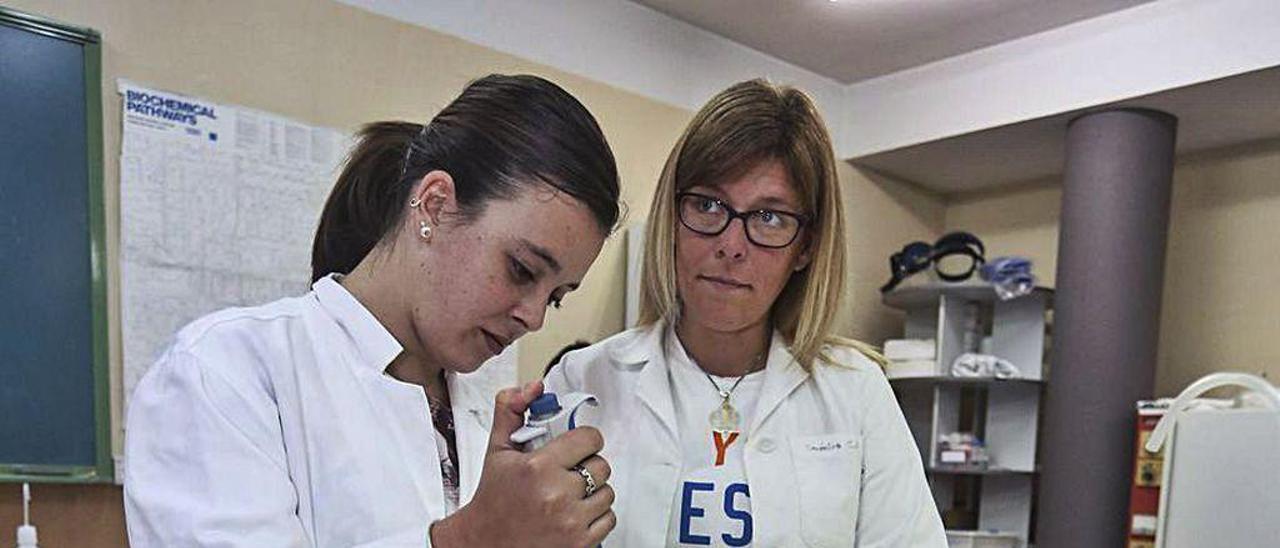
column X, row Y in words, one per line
column 1003, row 413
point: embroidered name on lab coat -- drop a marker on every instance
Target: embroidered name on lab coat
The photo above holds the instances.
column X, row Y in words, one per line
column 830, row 446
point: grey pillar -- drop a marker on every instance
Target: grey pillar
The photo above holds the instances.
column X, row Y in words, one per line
column 1111, row 248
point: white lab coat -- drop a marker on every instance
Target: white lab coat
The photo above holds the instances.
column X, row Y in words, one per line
column 277, row 426
column 829, row 460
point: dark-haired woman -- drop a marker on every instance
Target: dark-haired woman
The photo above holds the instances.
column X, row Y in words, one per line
column 337, row 418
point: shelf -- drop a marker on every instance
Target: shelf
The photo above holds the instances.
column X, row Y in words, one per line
column 1005, row 411
column 916, row 296
column 950, row 380
column 978, row 471
column 990, row 537
column 993, row 533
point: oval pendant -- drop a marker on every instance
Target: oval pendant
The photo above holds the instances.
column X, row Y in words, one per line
column 724, row 418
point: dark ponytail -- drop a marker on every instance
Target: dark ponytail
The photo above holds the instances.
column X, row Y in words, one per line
column 501, row 135
column 362, row 206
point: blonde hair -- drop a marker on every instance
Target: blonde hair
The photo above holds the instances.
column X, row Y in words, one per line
column 748, row 123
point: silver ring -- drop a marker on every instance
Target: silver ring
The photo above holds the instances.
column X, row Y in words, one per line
column 591, row 482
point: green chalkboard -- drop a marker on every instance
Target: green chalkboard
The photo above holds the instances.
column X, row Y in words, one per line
column 54, row 411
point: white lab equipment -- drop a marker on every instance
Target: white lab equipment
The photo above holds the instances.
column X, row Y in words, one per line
column 548, row 418
column 1220, row 484
column 26, row 531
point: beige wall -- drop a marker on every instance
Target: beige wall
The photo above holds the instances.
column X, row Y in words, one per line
column 883, row 214
column 1221, row 310
column 327, row 64
column 336, row 66
column 332, row 65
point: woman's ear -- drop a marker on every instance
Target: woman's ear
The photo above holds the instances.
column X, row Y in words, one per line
column 434, row 195
column 805, row 257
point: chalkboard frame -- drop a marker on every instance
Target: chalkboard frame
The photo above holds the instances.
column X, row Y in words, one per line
column 102, row 470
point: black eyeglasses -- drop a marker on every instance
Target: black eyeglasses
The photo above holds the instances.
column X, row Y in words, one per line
column 710, row 216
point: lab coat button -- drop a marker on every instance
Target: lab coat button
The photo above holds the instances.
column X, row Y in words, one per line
column 766, row 445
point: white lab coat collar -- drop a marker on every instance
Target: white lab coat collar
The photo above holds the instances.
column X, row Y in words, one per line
column 654, row 386
column 473, row 418
column 639, row 349
column 377, row 346
column 782, row 375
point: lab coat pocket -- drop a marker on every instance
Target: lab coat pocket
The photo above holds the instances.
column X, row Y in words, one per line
column 829, row 477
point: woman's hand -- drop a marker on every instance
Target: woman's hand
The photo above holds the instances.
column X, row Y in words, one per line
column 533, row 499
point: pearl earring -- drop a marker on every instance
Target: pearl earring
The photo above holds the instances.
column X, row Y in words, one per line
column 424, row 230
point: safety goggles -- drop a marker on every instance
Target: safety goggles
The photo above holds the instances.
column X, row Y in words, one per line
column 954, row 257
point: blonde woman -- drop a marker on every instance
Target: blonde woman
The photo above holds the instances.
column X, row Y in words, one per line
column 733, row 416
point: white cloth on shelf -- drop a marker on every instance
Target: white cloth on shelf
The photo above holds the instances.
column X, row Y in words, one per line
column 984, row 365
column 904, row 350
column 910, row 369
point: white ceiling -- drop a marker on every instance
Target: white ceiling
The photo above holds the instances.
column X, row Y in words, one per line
column 854, row 40
column 1213, row 115
column 968, row 120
